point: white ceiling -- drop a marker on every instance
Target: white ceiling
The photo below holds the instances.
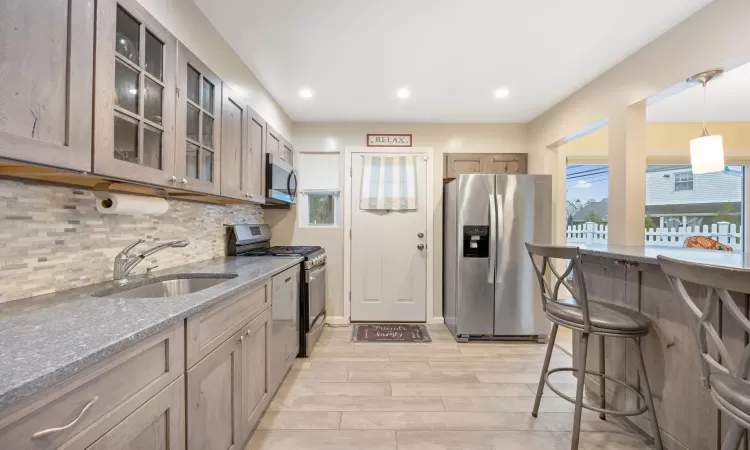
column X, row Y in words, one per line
column 355, row 54
column 727, row 100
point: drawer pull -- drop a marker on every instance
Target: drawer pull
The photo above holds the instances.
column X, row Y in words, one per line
column 48, row 431
column 288, row 280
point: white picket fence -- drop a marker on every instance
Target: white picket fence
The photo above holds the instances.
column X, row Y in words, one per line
column 724, row 232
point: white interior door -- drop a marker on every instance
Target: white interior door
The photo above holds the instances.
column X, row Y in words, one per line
column 388, row 270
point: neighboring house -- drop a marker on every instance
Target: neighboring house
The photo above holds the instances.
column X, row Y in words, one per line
column 599, row 208
column 675, row 197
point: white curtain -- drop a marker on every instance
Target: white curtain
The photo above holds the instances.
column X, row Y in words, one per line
column 389, row 183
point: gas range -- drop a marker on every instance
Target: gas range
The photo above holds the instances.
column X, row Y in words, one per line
column 314, row 255
column 255, row 240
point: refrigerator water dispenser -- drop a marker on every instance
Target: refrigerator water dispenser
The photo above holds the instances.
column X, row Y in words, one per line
column 476, row 242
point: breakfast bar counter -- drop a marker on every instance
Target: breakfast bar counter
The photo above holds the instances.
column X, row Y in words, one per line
column 631, row 277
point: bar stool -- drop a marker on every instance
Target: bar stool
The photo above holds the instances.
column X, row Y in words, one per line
column 726, row 380
column 588, row 318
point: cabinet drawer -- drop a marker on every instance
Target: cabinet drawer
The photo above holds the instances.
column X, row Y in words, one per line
column 208, row 329
column 76, row 413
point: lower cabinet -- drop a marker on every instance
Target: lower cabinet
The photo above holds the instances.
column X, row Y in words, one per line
column 213, row 387
column 157, row 425
column 256, row 372
column 143, row 399
column 229, row 389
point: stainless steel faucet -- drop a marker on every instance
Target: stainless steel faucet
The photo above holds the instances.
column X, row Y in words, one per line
column 125, row 264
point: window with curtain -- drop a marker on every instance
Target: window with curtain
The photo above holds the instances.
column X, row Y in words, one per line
column 319, row 188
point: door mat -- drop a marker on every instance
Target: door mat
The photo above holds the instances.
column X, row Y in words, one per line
column 379, row 332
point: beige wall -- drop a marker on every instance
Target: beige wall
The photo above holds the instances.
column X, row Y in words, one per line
column 442, row 138
column 717, row 35
column 186, row 21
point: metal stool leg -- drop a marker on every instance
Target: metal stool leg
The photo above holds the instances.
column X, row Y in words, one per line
column 734, row 436
column 647, row 394
column 545, row 368
column 602, row 380
column 584, row 346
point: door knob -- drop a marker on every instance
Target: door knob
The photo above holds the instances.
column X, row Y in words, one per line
column 420, row 235
column 420, row 246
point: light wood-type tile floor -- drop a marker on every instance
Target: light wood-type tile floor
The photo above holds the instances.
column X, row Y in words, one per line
column 442, row 395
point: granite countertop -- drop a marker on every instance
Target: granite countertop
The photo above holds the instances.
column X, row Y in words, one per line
column 49, row 338
column 647, row 255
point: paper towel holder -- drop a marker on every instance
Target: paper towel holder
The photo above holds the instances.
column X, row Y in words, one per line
column 104, row 186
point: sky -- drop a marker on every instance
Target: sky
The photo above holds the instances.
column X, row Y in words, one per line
column 586, row 182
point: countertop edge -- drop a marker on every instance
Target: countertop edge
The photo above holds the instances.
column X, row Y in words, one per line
column 17, row 396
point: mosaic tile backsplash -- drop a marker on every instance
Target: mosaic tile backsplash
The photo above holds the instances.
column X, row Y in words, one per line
column 53, row 238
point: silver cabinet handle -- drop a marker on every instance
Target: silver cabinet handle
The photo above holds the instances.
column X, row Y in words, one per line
column 241, row 338
column 173, row 179
column 183, row 181
column 420, row 246
column 41, row 434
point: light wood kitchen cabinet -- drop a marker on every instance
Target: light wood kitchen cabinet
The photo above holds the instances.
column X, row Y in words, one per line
column 256, row 182
column 198, row 125
column 485, row 163
column 134, row 100
column 214, row 388
column 47, row 68
column 209, row 328
column 157, row 425
column 82, row 410
column 234, row 143
column 256, row 374
column 287, row 153
column 274, row 142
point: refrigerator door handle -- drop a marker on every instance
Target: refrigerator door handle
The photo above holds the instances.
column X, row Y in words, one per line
column 493, row 241
column 498, row 243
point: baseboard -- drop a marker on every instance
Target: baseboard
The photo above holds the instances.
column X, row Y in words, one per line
column 436, row 321
column 337, row 320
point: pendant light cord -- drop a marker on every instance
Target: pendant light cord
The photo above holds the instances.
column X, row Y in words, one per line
column 704, row 132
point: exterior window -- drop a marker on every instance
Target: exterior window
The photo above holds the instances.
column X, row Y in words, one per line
column 586, row 203
column 321, row 209
column 687, row 210
column 319, row 200
column 683, row 181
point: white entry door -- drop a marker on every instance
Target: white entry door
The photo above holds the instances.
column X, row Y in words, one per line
column 388, row 269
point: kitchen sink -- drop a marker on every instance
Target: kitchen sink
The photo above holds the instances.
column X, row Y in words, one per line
column 167, row 286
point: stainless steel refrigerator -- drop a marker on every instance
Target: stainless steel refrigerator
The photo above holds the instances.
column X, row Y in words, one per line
column 489, row 286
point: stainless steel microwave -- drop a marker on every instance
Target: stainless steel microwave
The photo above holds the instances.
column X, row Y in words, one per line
column 281, row 181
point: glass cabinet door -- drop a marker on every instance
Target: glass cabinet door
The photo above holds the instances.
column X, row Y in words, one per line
column 134, row 97
column 198, row 125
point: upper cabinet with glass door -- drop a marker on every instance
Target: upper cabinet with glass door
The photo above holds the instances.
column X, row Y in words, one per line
column 197, row 152
column 47, row 67
column 134, row 101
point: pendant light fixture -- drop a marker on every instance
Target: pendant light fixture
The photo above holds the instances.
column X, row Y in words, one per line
column 706, row 151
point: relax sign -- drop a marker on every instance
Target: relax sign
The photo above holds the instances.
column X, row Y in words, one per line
column 389, row 140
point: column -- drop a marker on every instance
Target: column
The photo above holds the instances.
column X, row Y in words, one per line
column 627, row 175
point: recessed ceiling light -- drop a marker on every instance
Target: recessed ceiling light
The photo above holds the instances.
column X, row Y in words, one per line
column 403, row 93
column 502, row 93
column 306, row 93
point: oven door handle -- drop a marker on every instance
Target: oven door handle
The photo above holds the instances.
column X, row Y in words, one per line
column 312, row 273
